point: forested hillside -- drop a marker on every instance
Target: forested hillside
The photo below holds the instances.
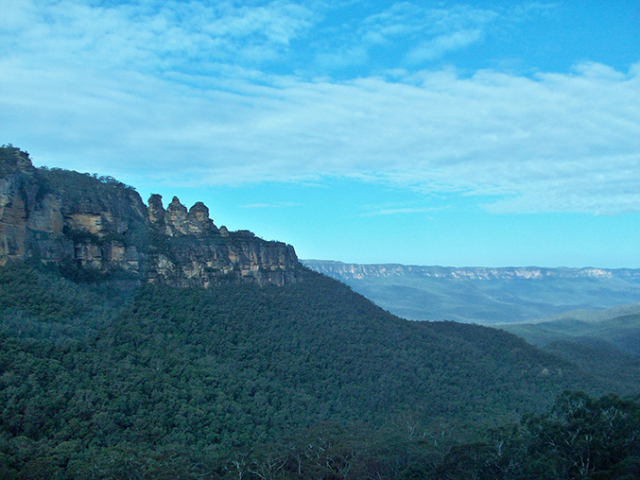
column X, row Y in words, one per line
column 618, row 328
column 606, row 343
column 144, row 343
column 112, row 380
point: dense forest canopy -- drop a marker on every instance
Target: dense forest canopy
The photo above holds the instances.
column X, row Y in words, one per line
column 113, row 380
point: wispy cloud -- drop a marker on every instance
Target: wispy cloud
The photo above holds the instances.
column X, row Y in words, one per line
column 443, row 44
column 437, row 31
column 383, row 211
column 528, row 9
column 152, row 34
column 272, row 205
column 410, row 19
column 158, row 87
column 402, row 34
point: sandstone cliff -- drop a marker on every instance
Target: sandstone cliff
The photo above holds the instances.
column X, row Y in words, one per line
column 88, row 225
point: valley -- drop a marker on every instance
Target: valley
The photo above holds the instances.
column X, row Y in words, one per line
column 486, row 296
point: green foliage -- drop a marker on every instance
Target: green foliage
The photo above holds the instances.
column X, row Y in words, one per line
column 9, row 156
column 620, row 331
column 81, row 187
column 38, row 305
column 582, row 437
column 606, row 344
column 103, row 380
column 619, row 370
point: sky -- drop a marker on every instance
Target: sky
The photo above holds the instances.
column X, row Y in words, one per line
column 480, row 133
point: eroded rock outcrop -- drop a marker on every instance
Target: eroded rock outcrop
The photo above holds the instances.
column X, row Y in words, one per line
column 201, row 254
column 98, row 225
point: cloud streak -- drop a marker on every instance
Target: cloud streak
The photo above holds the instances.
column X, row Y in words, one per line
column 443, row 44
column 272, row 205
column 399, row 210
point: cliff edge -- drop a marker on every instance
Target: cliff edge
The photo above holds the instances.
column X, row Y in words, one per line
column 89, row 226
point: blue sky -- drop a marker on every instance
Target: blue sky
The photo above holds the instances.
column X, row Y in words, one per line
column 436, row 133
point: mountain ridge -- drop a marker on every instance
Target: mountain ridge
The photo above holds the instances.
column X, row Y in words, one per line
column 485, row 295
column 360, row 271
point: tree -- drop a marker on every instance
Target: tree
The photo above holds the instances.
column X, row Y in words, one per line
column 582, row 436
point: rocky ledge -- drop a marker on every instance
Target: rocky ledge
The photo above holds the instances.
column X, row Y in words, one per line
column 91, row 226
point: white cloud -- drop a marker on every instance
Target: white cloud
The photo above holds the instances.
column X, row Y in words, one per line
column 272, row 205
column 69, row 93
column 406, row 19
column 152, row 34
column 530, row 9
column 557, row 142
column 443, row 44
column 383, row 211
column 403, row 33
column 437, row 31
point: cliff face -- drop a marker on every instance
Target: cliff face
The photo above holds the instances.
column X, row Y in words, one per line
column 68, row 218
column 96, row 225
column 188, row 249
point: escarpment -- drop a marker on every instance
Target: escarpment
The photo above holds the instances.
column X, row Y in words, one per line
column 188, row 249
column 90, row 226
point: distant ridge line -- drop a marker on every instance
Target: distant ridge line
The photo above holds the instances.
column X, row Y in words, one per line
column 359, row 271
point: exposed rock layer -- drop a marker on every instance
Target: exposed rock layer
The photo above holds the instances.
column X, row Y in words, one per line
column 354, row 271
column 97, row 225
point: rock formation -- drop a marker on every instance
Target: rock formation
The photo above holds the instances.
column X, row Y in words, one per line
column 97, row 226
column 188, row 249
